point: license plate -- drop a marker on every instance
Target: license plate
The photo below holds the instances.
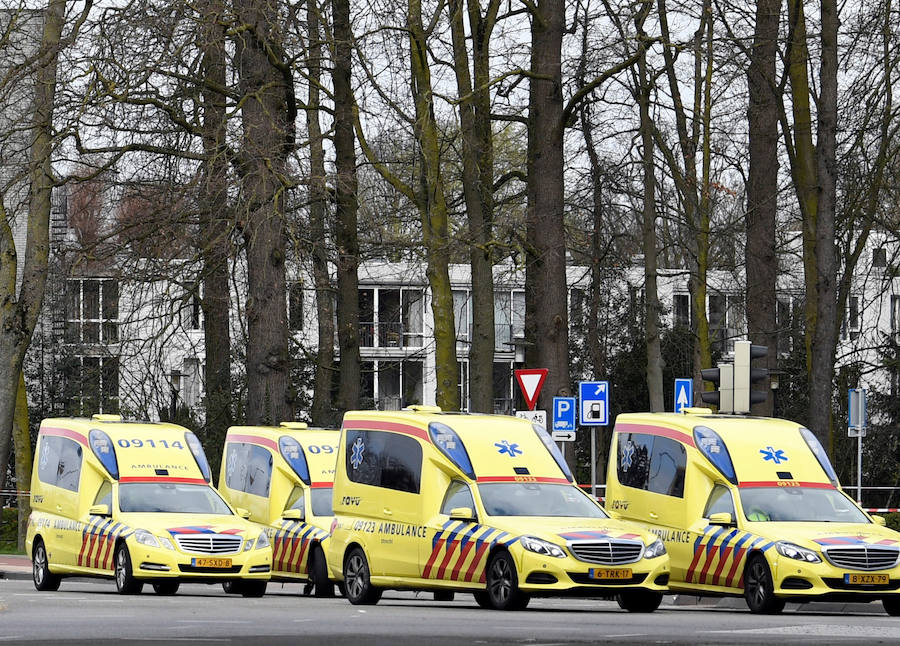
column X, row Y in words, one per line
column 866, row 579
column 222, row 563
column 610, row 575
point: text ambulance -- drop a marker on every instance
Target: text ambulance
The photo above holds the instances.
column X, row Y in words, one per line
column 132, row 500
column 749, row 506
column 477, row 503
column 283, row 476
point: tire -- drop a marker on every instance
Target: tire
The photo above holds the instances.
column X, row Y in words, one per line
column 503, row 584
column 166, row 588
column 444, row 595
column 44, row 579
column 360, row 591
column 318, row 575
column 759, row 589
column 253, row 589
column 483, row 599
column 892, row 605
column 232, row 587
column 639, row 600
column 125, row 581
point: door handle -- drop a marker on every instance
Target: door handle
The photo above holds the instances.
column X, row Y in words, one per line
column 654, row 515
column 387, row 512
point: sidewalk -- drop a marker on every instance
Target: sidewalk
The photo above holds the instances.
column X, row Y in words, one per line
column 15, row 566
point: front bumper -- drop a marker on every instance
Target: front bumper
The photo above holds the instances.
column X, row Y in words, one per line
column 799, row 580
column 161, row 563
column 549, row 575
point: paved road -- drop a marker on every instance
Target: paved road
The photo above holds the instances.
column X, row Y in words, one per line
column 83, row 612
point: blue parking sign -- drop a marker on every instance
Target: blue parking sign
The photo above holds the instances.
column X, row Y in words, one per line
column 563, row 413
column 594, row 403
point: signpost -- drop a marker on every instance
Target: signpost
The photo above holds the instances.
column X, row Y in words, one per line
column 684, row 394
column 856, row 427
column 538, row 417
column 563, row 419
column 593, row 409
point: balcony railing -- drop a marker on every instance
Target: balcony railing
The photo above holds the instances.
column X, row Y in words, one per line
column 388, row 335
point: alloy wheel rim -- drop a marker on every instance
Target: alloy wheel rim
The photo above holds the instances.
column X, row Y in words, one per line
column 355, row 576
column 500, row 583
column 757, row 585
column 39, row 561
column 120, row 568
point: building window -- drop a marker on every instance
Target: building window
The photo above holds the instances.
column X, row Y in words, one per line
column 879, row 257
column 461, row 315
column 92, row 311
column 895, row 314
column 850, row 329
column 92, row 385
column 295, row 306
column 503, row 329
column 681, row 310
column 717, row 321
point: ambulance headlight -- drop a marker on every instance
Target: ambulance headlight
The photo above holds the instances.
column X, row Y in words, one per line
column 796, row 552
column 656, row 548
column 165, row 542
column 539, row 546
column 262, row 541
column 144, row 537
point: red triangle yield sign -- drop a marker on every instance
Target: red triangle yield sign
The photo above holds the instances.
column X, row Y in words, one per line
column 530, row 381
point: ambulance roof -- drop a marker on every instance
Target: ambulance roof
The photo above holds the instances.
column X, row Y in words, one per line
column 143, row 450
column 319, row 445
column 764, row 450
column 501, row 448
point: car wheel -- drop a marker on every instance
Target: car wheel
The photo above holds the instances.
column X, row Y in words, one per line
column 360, row 591
column 503, row 584
column 44, row 580
column 444, row 595
column 125, row 581
column 759, row 591
column 231, row 587
column 166, row 588
column 639, row 600
column 892, row 605
column 253, row 589
column 318, row 574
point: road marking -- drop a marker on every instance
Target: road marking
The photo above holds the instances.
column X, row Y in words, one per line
column 213, row 621
column 825, row 630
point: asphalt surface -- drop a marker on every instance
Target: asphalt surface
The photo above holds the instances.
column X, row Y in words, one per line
column 90, row 612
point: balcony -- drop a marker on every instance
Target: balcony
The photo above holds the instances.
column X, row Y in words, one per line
column 388, row 335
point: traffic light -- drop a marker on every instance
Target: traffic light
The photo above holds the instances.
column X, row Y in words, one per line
column 723, row 377
column 745, row 375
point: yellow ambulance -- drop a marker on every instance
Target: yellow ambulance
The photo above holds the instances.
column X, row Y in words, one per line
column 751, row 507
column 133, row 501
column 425, row 500
column 283, row 476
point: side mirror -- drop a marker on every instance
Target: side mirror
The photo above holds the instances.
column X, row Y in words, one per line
column 103, row 510
column 722, row 518
column 243, row 513
column 293, row 514
column 465, row 514
column 878, row 520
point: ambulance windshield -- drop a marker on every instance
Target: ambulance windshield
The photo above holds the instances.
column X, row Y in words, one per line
column 537, row 499
column 172, row 498
column 799, row 504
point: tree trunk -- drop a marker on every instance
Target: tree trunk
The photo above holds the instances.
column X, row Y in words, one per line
column 762, row 189
column 215, row 232
column 24, row 460
column 321, row 410
column 435, row 215
column 546, row 311
column 267, row 137
column 478, row 171
column 651, row 296
column 347, row 206
column 18, row 316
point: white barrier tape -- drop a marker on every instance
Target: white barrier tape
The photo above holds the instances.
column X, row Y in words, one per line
column 883, row 510
column 14, row 492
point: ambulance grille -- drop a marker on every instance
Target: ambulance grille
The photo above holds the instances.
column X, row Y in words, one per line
column 209, row 543
column 607, row 552
column 864, row 557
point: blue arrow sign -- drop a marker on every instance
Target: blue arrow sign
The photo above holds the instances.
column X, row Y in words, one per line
column 594, row 406
column 684, row 394
column 563, row 414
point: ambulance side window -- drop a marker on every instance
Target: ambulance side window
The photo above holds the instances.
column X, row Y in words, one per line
column 295, row 499
column 104, row 494
column 719, row 502
column 667, row 463
column 60, row 462
column 384, row 459
column 458, row 495
column 248, row 468
column 634, row 459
